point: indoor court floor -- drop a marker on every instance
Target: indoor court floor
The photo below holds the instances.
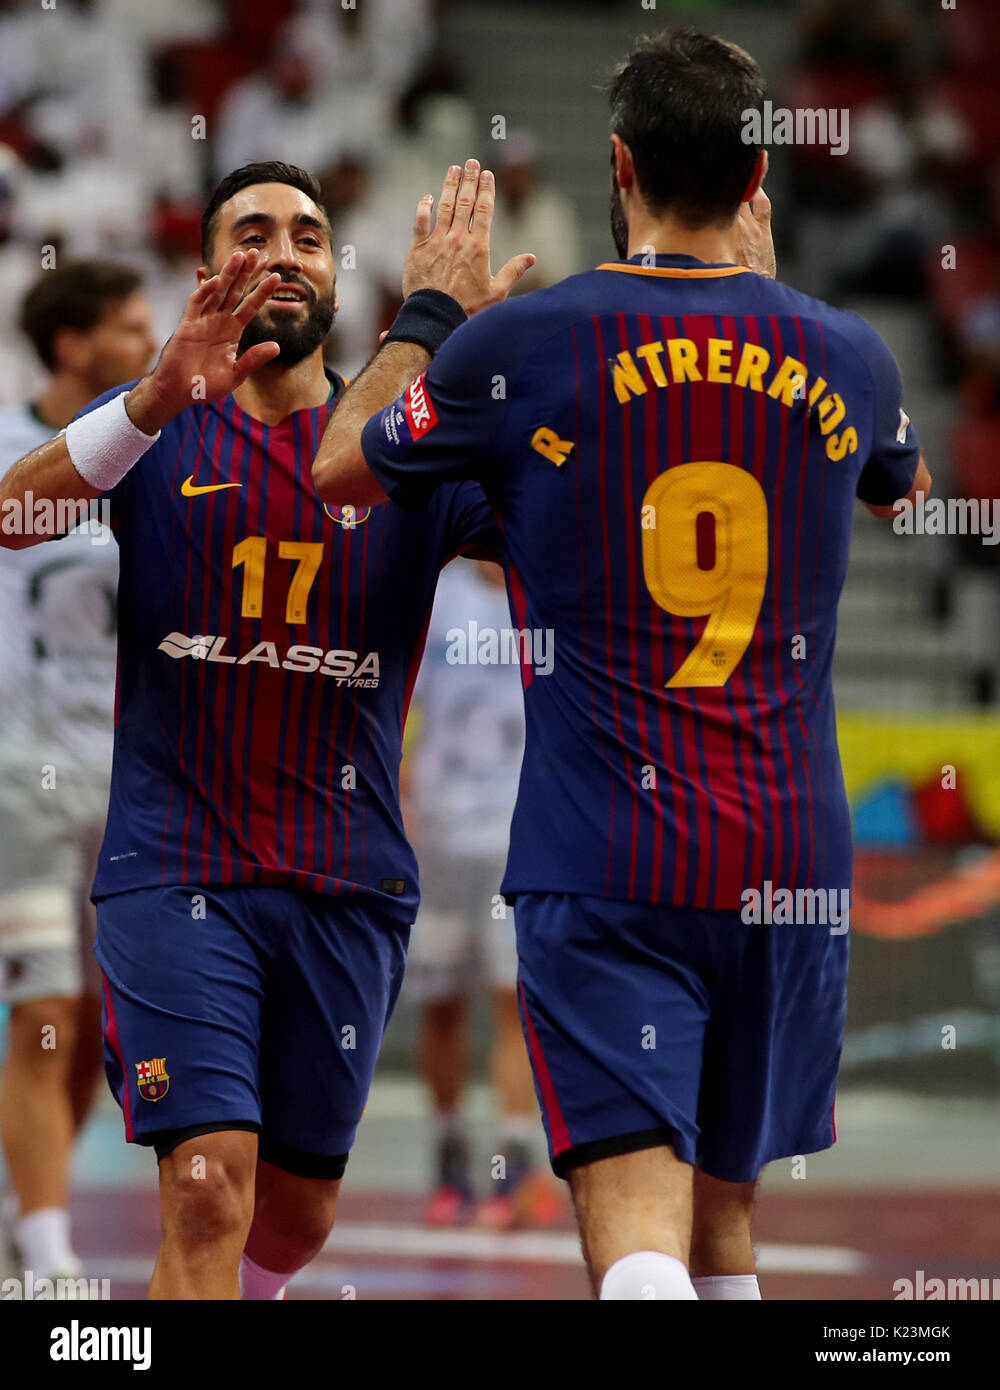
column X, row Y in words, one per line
column 912, row 1184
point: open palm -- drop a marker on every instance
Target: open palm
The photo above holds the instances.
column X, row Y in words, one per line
column 201, row 361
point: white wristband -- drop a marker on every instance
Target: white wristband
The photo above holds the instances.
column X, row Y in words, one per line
column 104, row 444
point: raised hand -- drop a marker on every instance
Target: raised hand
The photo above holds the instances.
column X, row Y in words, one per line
column 200, row 361
column 755, row 244
column 452, row 252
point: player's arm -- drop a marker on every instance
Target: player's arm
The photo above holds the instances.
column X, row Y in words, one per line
column 201, row 361
column 446, row 279
column 340, row 472
column 895, row 471
column 922, row 483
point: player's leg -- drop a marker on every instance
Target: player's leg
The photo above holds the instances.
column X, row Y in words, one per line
column 36, row 1124
column 184, row 984
column 614, row 1010
column 440, row 976
column 722, row 1259
column 510, row 1074
column 206, row 1207
column 35, row 1115
column 333, row 981
column 40, row 979
column 521, row 1193
column 442, row 1051
column 87, row 1064
column 772, row 1049
column 510, row 1070
column 634, row 1213
column 292, row 1218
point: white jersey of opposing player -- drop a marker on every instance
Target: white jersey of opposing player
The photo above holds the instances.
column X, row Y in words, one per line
column 468, row 755
column 57, row 634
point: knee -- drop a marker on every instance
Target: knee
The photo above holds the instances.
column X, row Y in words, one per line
column 300, row 1215
column 43, row 1032
column 310, row 1225
column 207, row 1193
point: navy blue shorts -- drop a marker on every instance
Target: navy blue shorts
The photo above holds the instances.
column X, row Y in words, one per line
column 256, row 1008
column 649, row 1024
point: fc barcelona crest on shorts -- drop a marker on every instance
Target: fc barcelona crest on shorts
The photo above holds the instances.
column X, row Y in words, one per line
column 153, row 1080
column 347, row 516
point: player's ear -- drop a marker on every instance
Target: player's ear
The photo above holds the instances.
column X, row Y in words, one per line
column 203, row 274
column 70, row 349
column 757, row 178
column 621, row 162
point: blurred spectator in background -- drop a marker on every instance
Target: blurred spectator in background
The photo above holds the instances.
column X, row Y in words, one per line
column 436, row 126
column 460, row 788
column 907, row 149
column 369, row 262
column 114, row 116
column 166, row 20
column 863, row 33
column 331, row 85
column 532, row 217
column 281, row 113
column 20, row 262
column 163, row 154
column 978, row 334
column 376, row 46
column 74, row 71
column 90, row 325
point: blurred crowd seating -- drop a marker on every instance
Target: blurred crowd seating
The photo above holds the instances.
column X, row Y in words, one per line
column 117, row 118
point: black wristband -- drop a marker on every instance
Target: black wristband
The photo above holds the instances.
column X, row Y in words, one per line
column 427, row 318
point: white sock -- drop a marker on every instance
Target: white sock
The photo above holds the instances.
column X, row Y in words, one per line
column 43, row 1240
column 647, row 1274
column 728, row 1286
column 259, row 1284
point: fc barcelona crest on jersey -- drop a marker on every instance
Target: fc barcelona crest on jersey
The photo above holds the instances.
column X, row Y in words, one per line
column 347, row 515
column 153, row 1080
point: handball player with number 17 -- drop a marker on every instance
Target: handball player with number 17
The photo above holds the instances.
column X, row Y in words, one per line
column 255, row 889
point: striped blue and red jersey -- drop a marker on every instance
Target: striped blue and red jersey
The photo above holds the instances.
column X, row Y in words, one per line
column 267, row 648
column 673, row 451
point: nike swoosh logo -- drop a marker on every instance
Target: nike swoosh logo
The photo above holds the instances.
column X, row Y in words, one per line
column 189, row 488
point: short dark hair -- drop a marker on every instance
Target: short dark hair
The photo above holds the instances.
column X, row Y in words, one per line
column 263, row 171
column 678, row 103
column 76, row 295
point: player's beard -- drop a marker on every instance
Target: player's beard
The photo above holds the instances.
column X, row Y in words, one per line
column 297, row 337
column 619, row 227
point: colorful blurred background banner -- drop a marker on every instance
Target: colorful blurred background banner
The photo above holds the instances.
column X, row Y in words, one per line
column 925, row 911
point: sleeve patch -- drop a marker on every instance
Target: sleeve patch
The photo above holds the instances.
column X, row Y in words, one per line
column 904, row 425
column 420, row 413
